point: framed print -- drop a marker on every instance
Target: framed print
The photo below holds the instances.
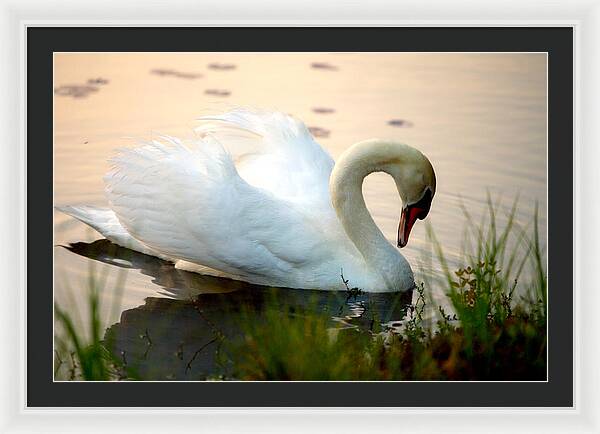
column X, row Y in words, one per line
column 256, row 223
column 342, row 218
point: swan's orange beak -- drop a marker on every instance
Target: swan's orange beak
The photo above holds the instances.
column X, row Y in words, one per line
column 409, row 216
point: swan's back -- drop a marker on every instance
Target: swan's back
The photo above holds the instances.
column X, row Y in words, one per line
column 249, row 198
column 273, row 151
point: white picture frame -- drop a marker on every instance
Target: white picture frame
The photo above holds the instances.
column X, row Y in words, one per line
column 582, row 15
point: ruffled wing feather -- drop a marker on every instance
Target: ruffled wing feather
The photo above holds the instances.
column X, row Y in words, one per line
column 188, row 201
column 274, row 151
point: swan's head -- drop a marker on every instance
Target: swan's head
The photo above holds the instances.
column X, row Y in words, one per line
column 415, row 179
column 411, row 170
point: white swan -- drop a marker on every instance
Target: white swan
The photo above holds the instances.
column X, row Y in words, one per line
column 271, row 208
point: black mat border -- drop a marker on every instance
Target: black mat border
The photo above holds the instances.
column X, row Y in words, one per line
column 43, row 41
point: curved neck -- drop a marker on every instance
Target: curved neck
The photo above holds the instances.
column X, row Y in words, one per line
column 345, row 185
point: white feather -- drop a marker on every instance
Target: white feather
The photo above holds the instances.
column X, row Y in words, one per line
column 248, row 199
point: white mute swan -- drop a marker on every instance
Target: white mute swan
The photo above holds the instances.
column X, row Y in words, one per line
column 255, row 198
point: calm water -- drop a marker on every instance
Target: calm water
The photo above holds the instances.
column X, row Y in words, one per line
column 480, row 118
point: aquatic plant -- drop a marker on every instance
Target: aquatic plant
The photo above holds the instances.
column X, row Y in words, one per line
column 488, row 336
column 84, row 356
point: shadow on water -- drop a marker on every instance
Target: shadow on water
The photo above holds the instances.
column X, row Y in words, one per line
column 180, row 335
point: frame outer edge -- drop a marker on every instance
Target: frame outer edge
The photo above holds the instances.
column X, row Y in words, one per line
column 588, row 212
column 13, row 415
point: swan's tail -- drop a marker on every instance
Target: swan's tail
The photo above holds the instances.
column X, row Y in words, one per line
column 106, row 222
column 102, row 219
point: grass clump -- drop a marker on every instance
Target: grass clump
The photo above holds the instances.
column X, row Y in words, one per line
column 290, row 346
column 81, row 356
column 491, row 334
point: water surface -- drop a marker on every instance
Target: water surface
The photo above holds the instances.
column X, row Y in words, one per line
column 480, row 118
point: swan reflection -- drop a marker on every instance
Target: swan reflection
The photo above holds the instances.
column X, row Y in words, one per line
column 177, row 335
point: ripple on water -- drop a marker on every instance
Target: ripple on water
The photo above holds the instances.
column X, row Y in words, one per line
column 217, row 92
column 81, row 90
column 162, row 72
column 323, row 66
column 221, row 66
column 319, row 132
column 323, row 110
column 400, row 123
